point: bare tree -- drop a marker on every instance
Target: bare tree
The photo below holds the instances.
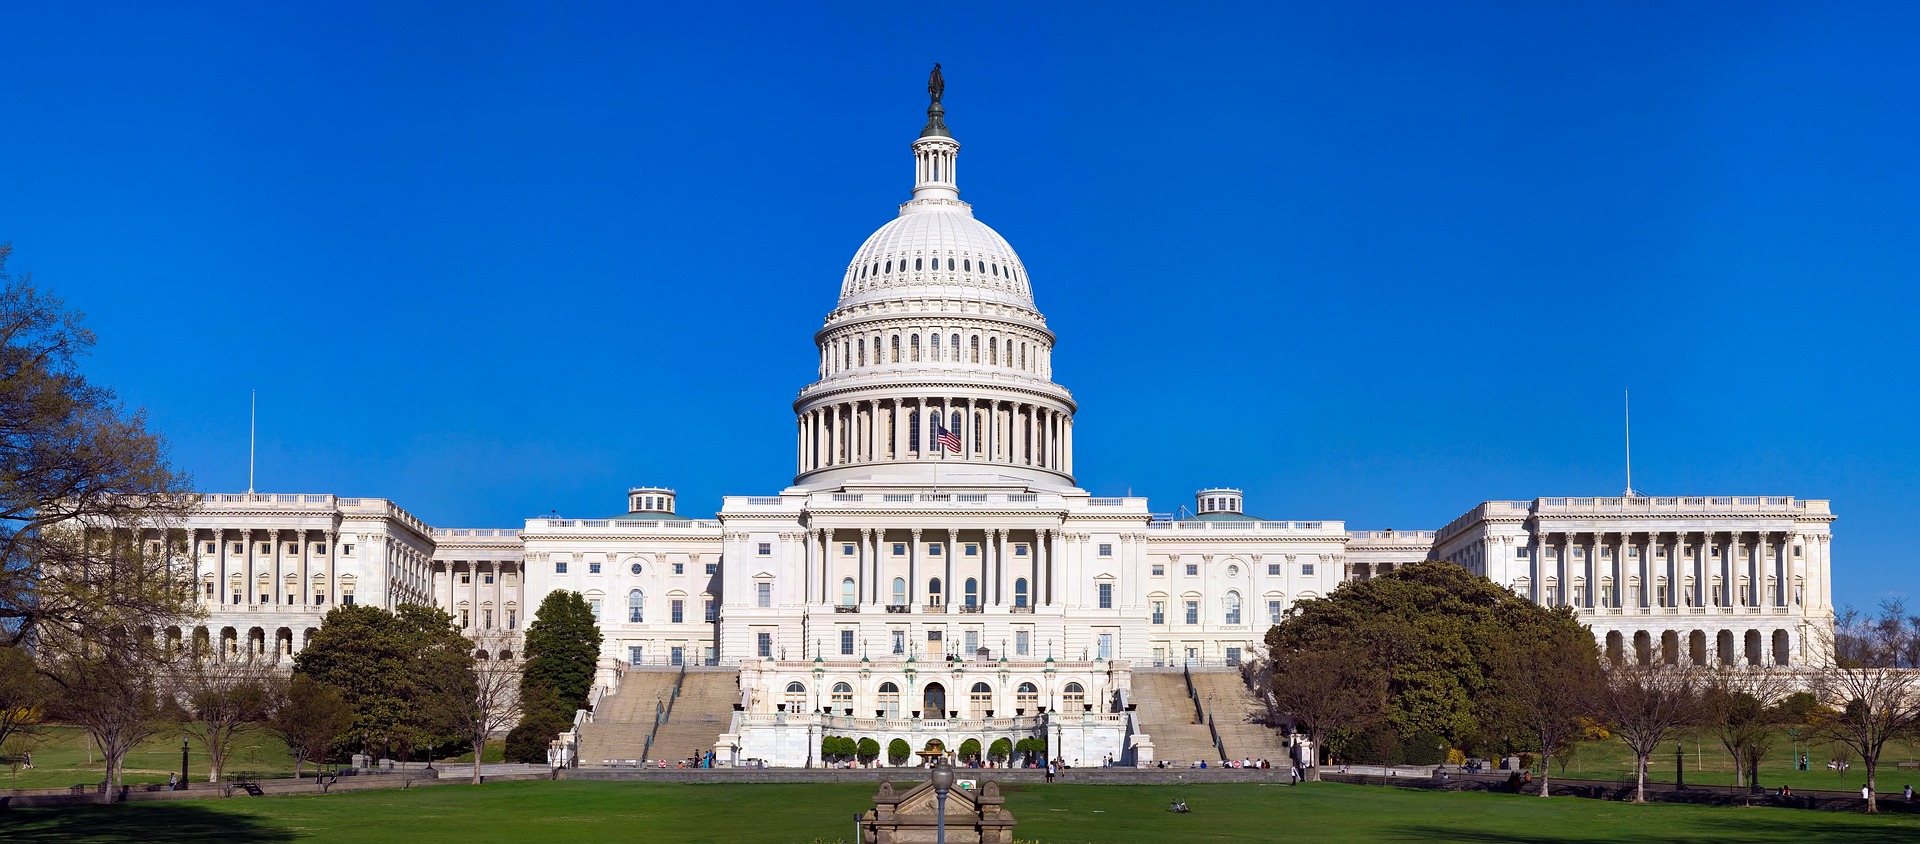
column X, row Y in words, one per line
column 483, row 698
column 22, row 694
column 1873, row 700
column 109, row 687
column 1645, row 703
column 308, row 715
column 1741, row 705
column 1548, row 678
column 218, row 699
column 1324, row 689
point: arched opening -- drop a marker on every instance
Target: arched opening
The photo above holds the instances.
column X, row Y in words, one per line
column 973, row 592
column 256, row 643
column 980, row 700
column 1026, row 699
column 1670, row 647
column 1782, row 648
column 1020, row 592
column 1643, row 648
column 796, row 697
column 899, row 591
column 934, row 701
column 1614, row 647
column 636, row 606
column 889, row 701
column 1697, row 647
column 847, row 594
column 1755, row 657
column 173, row 640
column 283, row 642
column 843, row 698
column 933, row 592
column 1073, row 698
column 480, row 656
column 1232, row 612
column 1724, row 647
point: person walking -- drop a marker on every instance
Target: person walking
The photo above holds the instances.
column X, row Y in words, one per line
column 1050, row 770
column 1908, row 793
column 1866, row 792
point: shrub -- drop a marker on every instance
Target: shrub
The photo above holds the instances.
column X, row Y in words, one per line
column 868, row 750
column 1000, row 750
column 898, row 751
column 970, row 749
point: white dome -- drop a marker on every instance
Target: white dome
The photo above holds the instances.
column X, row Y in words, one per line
column 936, row 249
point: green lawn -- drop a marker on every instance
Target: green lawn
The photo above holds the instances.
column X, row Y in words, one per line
column 1708, row 763
column 63, row 756
column 1054, row 814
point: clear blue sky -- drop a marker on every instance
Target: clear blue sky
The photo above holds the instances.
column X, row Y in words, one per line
column 1371, row 262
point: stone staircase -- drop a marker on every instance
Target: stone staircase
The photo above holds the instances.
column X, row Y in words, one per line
column 1167, row 716
column 623, row 720
column 1238, row 716
column 704, row 711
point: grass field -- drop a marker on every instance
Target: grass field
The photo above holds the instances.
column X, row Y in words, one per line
column 63, row 756
column 1053, row 814
column 1708, row 763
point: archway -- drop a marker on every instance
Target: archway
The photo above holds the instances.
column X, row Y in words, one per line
column 1643, row 647
column 934, row 701
column 1754, row 655
column 1724, row 647
column 1614, row 647
column 1697, row 647
column 1670, row 647
column 1782, row 648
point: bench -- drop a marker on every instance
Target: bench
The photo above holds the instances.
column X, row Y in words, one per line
column 1909, row 766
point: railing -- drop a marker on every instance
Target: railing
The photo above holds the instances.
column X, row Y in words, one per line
column 935, row 608
column 849, row 496
column 846, row 608
column 662, row 714
column 972, row 608
column 1106, row 502
column 1339, row 527
column 1019, row 610
column 901, row 609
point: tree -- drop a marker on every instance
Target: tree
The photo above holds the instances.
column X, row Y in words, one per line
column 1647, row 702
column 388, row 665
column 1547, row 672
column 22, row 693
column 868, row 750
column 1333, row 687
column 1872, row 704
column 562, row 653
column 1032, row 747
column 109, row 689
column 89, row 508
column 308, row 715
column 898, row 752
column 217, row 699
column 485, row 698
column 970, row 750
column 1741, row 706
column 999, row 750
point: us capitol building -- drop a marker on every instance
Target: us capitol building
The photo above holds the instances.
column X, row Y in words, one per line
column 933, row 564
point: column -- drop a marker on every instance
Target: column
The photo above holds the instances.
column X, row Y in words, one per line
column 1000, row 567
column 946, row 576
column 1066, row 445
column 1042, row 588
column 913, row 564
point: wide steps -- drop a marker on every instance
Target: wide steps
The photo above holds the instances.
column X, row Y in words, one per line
column 1167, row 716
column 703, row 712
column 623, row 720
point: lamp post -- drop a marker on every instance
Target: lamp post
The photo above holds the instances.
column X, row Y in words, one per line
column 942, row 783
column 183, row 763
column 1679, row 767
column 429, row 757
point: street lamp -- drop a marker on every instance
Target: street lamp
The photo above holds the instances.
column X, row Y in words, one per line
column 1679, row 767
column 429, row 757
column 183, row 763
column 942, row 783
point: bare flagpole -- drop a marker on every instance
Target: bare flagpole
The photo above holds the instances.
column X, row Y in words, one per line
column 1626, row 399
column 253, row 416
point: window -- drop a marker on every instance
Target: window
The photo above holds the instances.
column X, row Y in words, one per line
column 980, row 699
column 513, row 619
column 900, row 591
column 1306, row 569
column 1796, row 550
column 593, row 568
column 486, row 617
column 678, row 609
column 899, row 642
column 1027, row 697
column 796, row 697
column 636, row 654
column 847, row 597
column 713, row 568
column 936, row 644
column 889, row 700
column 766, row 549
column 933, row 549
column 1159, row 612
column 1193, row 612
column 973, row 592
column 465, row 619
column 1233, row 571
column 1106, row 550
column 709, row 611
column 1022, row 641
column 679, row 568
column 636, row 607
column 560, row 567
column 1106, row 596
column 1159, row 570
column 899, row 549
column 319, row 597
column 1020, row 550
column 1233, row 656
column 1020, row 592
column 1273, row 569
column 487, row 578
column 677, row 655
column 1193, row 569
column 209, row 590
column 1273, row 612
column 843, row 695
column 594, row 604
column 846, row 642
column 846, row 549
column 1106, row 646
column 466, row 578
column 635, row 568
column 933, row 592
column 973, row 643
column 1233, row 608
column 1073, row 697
column 763, row 594
column 973, row 550
column 347, row 599
column 763, row 644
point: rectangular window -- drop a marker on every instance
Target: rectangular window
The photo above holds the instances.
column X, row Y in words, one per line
column 1193, row 612
column 846, row 549
column 899, row 642
column 1796, row 550
column 1233, row 656
column 709, row 611
column 347, row 599
column 846, row 643
column 713, row 568
column 1520, row 553
column 766, row 549
column 594, row 604
column 209, row 548
column 319, row 597
column 209, row 590
column 1579, row 552
column 636, row 655
column 513, row 619
column 487, row 578
column 1022, row 641
column 466, row 578
column 486, row 619
column 320, row 549
column 763, row 644
column 292, row 598
column 933, row 549
column 1019, row 550
column 1306, row 569
column 973, row 643
column 1106, row 646
column 679, row 568
column 1273, row 612
column 1106, row 596
column 678, row 610
column 763, row 594
column 347, row 550
column 677, row 655
column 899, row 549
column 936, row 644
column 560, row 567
column 973, row 550
column 1273, row 569
column 1193, row 570
column 593, row 568
column 1159, row 612
column 1106, row 550
column 1159, row 570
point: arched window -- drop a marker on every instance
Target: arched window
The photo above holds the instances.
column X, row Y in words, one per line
column 913, row 430
column 913, row 346
column 889, row 700
column 1020, row 592
column 973, row 592
column 636, row 606
column 993, row 351
column 1023, row 356
column 917, row 264
column 889, row 266
column 955, row 346
column 1233, row 608
column 934, row 701
column 900, row 591
column 954, row 423
column 842, row 696
column 949, row 264
column 796, row 697
column 847, row 597
column 1027, row 697
column 966, row 265
column 861, row 350
column 934, row 350
column 995, row 268
column 981, row 698
column 1073, row 697
column 974, row 345
column 896, row 348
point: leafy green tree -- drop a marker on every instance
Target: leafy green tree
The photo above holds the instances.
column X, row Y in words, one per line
column 1000, row 750
column 868, row 750
column 1547, row 679
column 386, row 665
column 970, row 750
column 898, row 752
column 527, row 741
column 22, row 693
column 562, row 653
column 308, row 715
column 1032, row 747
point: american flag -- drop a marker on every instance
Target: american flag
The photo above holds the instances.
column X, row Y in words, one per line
column 946, row 438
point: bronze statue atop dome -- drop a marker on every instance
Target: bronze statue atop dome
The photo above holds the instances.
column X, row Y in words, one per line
column 936, row 84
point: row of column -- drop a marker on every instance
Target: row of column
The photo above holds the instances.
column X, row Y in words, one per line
column 995, row 570
column 1740, row 558
column 477, row 592
column 303, row 563
column 865, row 431
column 991, row 350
